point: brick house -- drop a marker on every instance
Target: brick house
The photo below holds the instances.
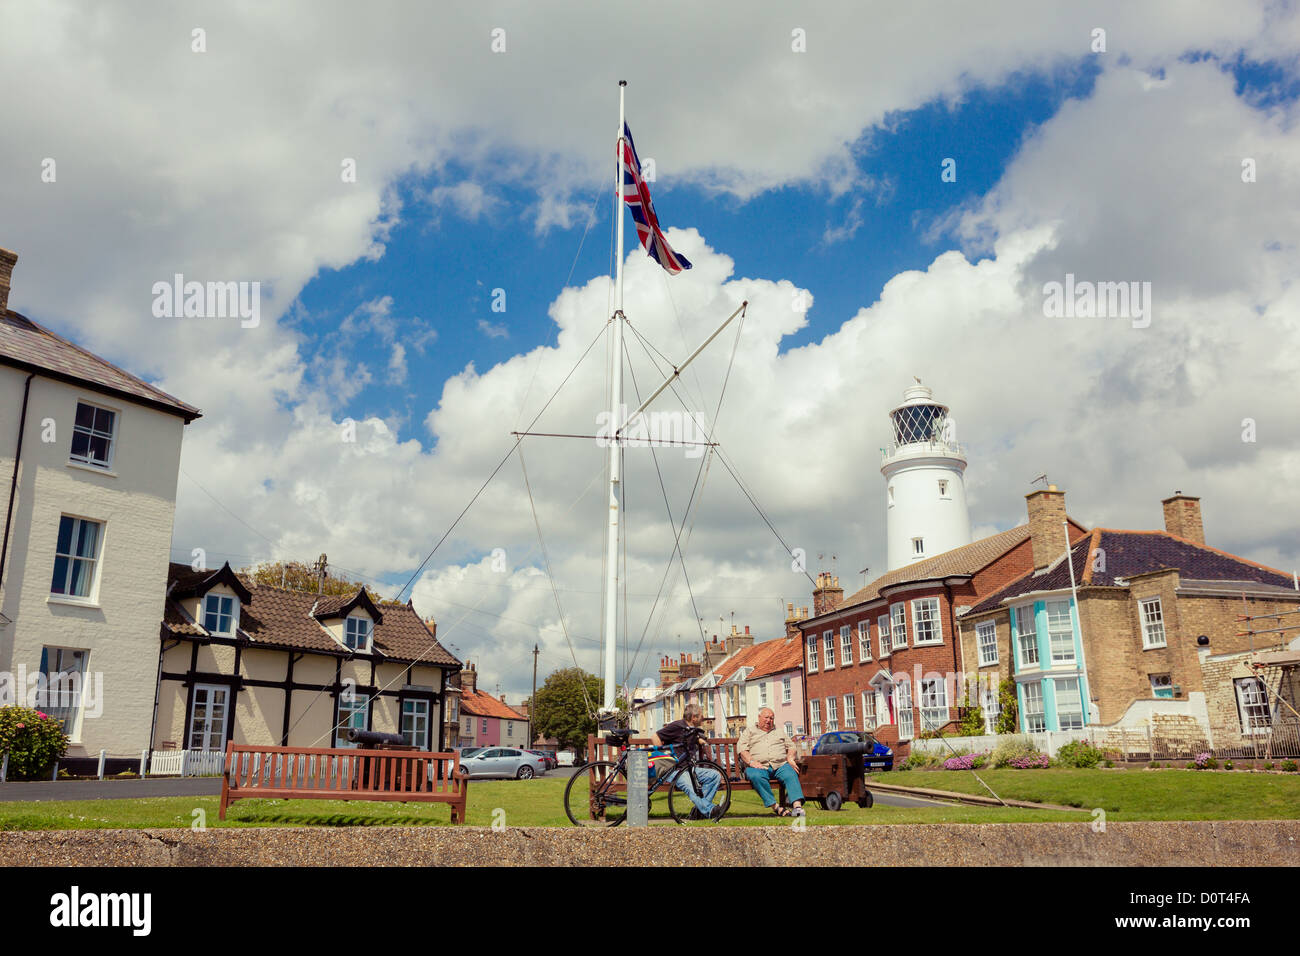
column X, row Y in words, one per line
column 887, row 659
column 1153, row 608
column 248, row 663
column 89, row 457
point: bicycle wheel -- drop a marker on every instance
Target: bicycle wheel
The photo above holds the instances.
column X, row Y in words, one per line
column 596, row 795
column 681, row 806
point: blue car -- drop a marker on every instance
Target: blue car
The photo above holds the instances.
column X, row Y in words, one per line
column 875, row 755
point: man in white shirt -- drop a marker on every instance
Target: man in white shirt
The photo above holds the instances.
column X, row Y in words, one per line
column 769, row 755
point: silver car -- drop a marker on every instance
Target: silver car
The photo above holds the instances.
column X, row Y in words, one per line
column 503, row 762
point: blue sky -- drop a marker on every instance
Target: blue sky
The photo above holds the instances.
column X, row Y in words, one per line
column 816, row 171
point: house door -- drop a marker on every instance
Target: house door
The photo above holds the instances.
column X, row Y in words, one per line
column 208, row 718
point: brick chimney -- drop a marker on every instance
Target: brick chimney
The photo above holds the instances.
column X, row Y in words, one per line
column 689, row 668
column 468, row 678
column 793, row 616
column 668, row 672
column 1183, row 517
column 827, row 594
column 715, row 652
column 736, row 640
column 7, row 262
column 1046, row 533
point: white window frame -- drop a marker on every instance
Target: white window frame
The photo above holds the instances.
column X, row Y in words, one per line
column 785, row 690
column 233, row 615
column 882, row 633
column 943, row 488
column 89, row 461
column 832, row 714
column 898, row 625
column 903, row 708
column 864, row 640
column 850, row 711
column 92, row 588
column 63, row 692
column 918, row 547
column 1055, row 634
column 1031, row 636
column 812, row 653
column 1252, row 697
column 419, row 709
column 349, row 634
column 1152, row 615
column 815, row 717
column 762, row 693
column 1060, row 712
column 868, row 710
column 986, row 638
column 359, row 705
column 222, row 721
column 789, row 730
column 828, row 650
column 846, row 645
column 918, row 620
column 1035, row 716
column 934, row 703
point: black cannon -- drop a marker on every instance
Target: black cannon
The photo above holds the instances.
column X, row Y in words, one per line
column 374, row 739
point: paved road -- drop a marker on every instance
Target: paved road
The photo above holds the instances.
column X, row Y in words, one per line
column 111, row 789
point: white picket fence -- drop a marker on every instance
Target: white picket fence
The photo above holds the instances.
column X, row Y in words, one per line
column 186, row 763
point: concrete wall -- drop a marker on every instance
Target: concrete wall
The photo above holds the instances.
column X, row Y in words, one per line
column 117, row 624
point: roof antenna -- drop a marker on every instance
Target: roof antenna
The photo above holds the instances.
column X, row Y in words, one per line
column 1042, row 478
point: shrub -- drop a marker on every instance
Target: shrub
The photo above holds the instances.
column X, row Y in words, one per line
column 1035, row 761
column 1153, row 764
column 1227, row 765
column 1268, row 765
column 33, row 740
column 1191, row 765
column 1289, row 766
column 966, row 761
column 1009, row 717
column 1110, row 763
column 1011, row 749
column 1079, row 753
column 920, row 760
column 1205, row 761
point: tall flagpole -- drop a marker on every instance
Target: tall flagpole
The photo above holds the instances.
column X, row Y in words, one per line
column 615, row 400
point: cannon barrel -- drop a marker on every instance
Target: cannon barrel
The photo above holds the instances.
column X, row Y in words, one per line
column 372, row 738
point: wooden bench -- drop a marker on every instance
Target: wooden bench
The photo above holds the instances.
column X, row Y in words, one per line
column 327, row 773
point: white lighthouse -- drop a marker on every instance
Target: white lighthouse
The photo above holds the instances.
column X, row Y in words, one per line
column 925, row 492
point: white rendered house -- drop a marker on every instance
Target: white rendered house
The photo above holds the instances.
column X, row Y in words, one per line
column 89, row 458
column 925, row 492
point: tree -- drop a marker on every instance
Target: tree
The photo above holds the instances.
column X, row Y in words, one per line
column 299, row 576
column 1009, row 719
column 562, row 707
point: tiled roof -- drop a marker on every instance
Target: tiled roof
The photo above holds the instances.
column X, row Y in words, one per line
column 1130, row 553
column 277, row 617
column 782, row 654
column 27, row 345
column 967, row 559
column 485, row 705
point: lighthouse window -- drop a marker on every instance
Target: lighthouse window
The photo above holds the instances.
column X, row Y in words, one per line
column 918, row 546
column 943, row 489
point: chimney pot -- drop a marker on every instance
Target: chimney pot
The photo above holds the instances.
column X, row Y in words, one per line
column 7, row 262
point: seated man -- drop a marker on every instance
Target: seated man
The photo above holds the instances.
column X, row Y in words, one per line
column 675, row 735
column 769, row 755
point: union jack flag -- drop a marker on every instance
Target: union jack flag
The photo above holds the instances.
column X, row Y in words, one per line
column 637, row 197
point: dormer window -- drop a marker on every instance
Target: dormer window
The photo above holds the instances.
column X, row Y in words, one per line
column 356, row 633
column 219, row 615
column 93, row 430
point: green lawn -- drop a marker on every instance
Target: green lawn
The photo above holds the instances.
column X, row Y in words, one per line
column 1123, row 794
column 1131, row 794
column 535, row 803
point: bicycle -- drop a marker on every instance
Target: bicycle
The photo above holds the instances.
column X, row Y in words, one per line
column 596, row 796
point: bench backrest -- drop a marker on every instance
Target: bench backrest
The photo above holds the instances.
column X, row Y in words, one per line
column 724, row 752
column 326, row 769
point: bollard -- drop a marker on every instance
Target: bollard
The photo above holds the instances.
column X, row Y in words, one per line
column 144, row 760
column 4, row 767
column 638, row 788
column 102, row 755
column 55, row 775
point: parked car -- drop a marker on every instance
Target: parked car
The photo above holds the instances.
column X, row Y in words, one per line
column 875, row 755
column 566, row 758
column 546, row 755
column 503, row 762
